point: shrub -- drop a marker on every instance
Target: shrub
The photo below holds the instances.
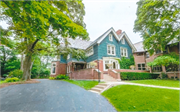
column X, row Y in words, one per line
column 13, row 79
column 137, row 76
column 16, row 73
column 62, row 76
column 164, row 76
column 51, row 78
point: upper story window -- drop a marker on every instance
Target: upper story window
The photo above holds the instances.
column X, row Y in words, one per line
column 110, row 37
column 124, row 52
column 53, row 68
column 123, row 41
column 139, row 54
column 90, row 52
column 68, row 56
column 147, row 54
column 111, row 50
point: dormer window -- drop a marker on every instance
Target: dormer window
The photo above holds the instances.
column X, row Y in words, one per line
column 110, row 37
column 123, row 41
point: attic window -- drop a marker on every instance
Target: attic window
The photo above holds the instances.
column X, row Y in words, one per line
column 110, row 37
column 123, row 41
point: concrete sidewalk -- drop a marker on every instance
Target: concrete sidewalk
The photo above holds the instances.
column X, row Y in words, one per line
column 129, row 83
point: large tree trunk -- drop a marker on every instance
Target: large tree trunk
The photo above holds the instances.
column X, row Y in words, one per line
column 22, row 56
column 27, row 67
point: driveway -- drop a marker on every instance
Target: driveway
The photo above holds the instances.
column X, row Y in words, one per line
column 52, row 95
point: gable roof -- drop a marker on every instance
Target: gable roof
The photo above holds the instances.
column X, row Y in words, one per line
column 118, row 38
column 83, row 44
column 139, row 46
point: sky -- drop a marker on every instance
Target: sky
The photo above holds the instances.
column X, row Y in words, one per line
column 101, row 15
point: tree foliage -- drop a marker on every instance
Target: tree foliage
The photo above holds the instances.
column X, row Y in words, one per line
column 170, row 60
column 125, row 63
column 158, row 22
column 38, row 25
column 9, row 60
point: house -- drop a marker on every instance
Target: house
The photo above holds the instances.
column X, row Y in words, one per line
column 104, row 51
column 142, row 57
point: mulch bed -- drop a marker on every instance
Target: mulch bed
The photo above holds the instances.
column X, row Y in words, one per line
column 20, row 82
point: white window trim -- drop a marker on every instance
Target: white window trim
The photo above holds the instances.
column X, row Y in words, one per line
column 88, row 65
column 123, row 41
column 110, row 37
column 52, row 68
column 88, row 52
column 111, row 49
column 141, row 66
column 111, row 60
column 123, row 52
column 68, row 69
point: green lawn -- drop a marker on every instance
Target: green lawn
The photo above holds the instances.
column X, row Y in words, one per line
column 138, row 98
column 84, row 84
column 1, row 82
column 169, row 83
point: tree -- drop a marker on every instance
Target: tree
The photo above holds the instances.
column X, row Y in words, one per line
column 158, row 23
column 170, row 61
column 39, row 24
column 125, row 63
column 8, row 60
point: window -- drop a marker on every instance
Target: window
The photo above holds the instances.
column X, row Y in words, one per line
column 123, row 41
column 53, row 69
column 139, row 54
column 147, row 55
column 157, row 69
column 90, row 52
column 88, row 65
column 158, row 51
column 68, row 69
column 141, row 66
column 110, row 37
column 106, row 64
column 111, row 50
column 68, row 56
column 124, row 52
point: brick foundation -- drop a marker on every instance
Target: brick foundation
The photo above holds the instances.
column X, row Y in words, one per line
column 85, row 74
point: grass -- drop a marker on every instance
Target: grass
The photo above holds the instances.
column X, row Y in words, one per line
column 1, row 82
column 84, row 84
column 138, row 98
column 168, row 83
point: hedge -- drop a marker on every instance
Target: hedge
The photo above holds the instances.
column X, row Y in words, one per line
column 137, row 76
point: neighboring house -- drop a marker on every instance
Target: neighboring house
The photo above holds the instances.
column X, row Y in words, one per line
column 142, row 57
column 105, row 49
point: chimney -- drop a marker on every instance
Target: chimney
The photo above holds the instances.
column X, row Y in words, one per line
column 119, row 32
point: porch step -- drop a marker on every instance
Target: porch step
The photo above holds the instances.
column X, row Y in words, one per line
column 108, row 78
column 99, row 88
